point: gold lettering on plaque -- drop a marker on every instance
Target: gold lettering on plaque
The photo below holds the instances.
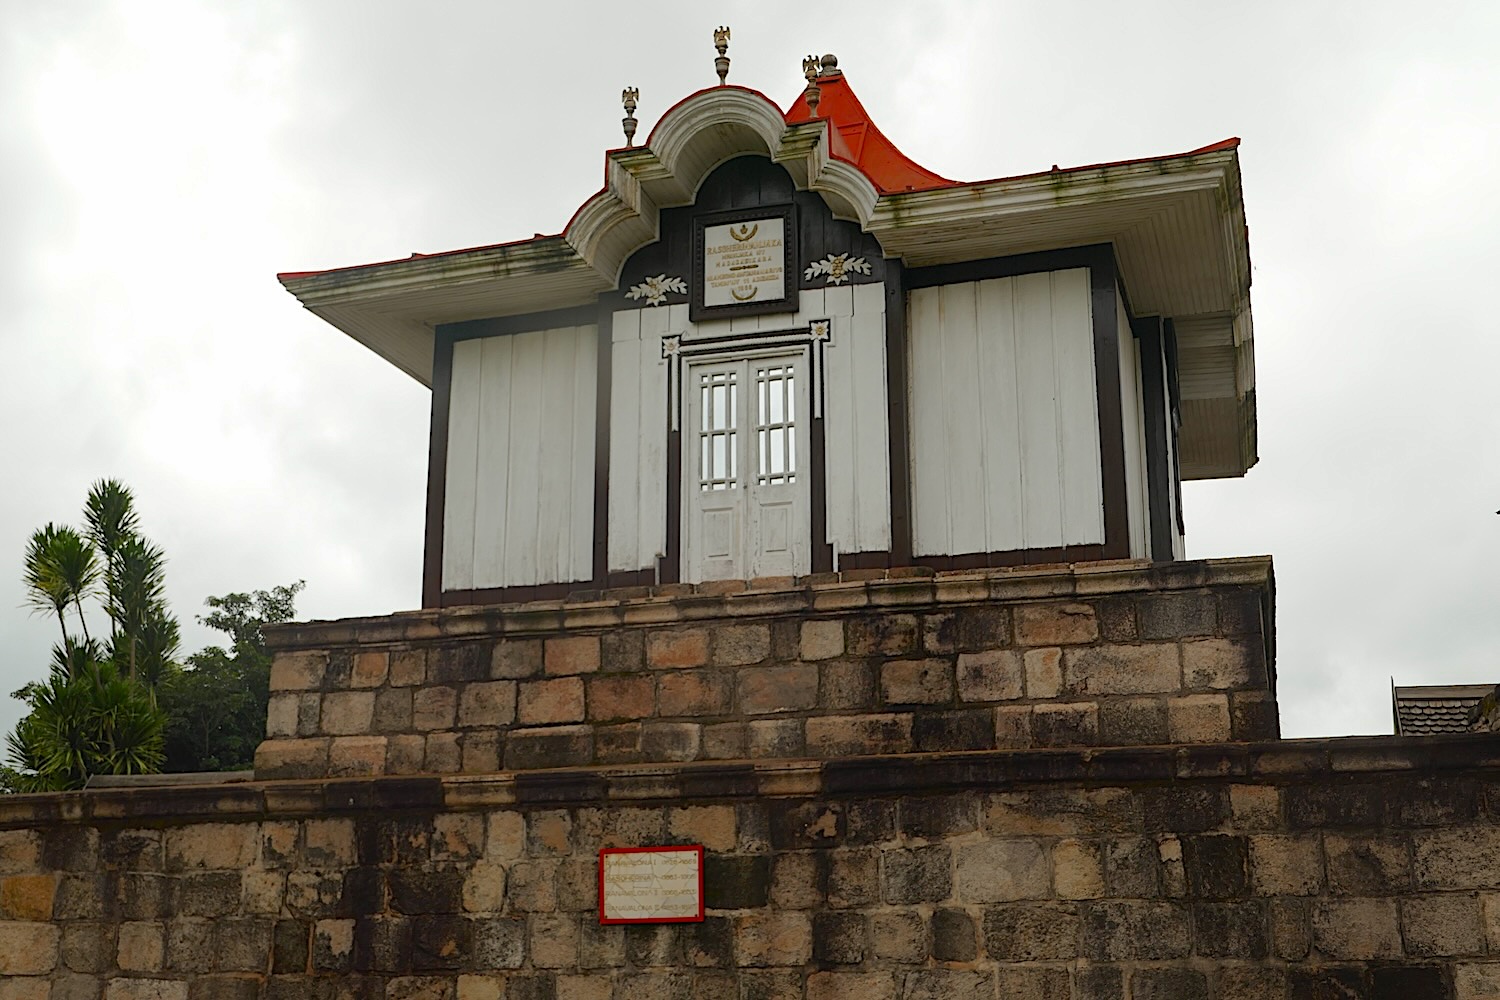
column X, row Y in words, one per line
column 744, row 261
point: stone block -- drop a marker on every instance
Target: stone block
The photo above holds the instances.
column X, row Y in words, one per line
column 27, row 897
column 1168, row 984
column 847, row 685
column 722, row 741
column 953, row 936
column 481, row 751
column 206, row 894
column 1363, row 865
column 1444, row 926
column 1131, row 868
column 1254, row 983
column 565, row 656
column 1405, row 982
column 677, row 648
column 713, row 826
column 671, row 741
column 392, row 710
column 404, row 753
column 1012, row 727
column 1056, row 625
column 772, row 939
column 852, row 735
column 470, row 661
column 693, row 693
column 799, row 879
column 622, row 651
column 1291, row 929
column 275, row 759
column 347, row 713
column 740, row 645
column 356, row 756
column 141, row 946
column 600, row 946
column 333, row 945
column 948, row 984
column 1078, row 869
column 1286, row 865
column 981, row 628
column 145, row 989
column 917, row 874
column 553, row 701
column 990, row 675
column 821, row 640
column 1176, row 616
column 1065, row 724
column 1254, row 715
column 560, row 746
column 1457, row 859
column 620, row 696
column 370, row 669
column 776, row 738
column 434, row 708
column 487, row 703
column 1043, row 672
column 850, row 985
column 549, row 833
column 1138, row 930
column 281, row 715
column 471, row 987
column 1217, row 867
column 916, row 682
column 1198, row 718
column 736, row 881
column 1231, row 930
column 309, row 713
column 554, row 940
column 898, row 936
column 1476, row 981
column 298, row 671
column 1152, row 668
column 499, row 943
column 768, row 690
column 1255, row 807
column 516, row 659
column 33, row 987
column 840, row 938
column 86, row 947
column 212, row 845
column 408, row 668
column 1133, row 722
column 457, row 836
column 1224, row 664
column 1003, row 870
column 854, row 878
column 1031, row 932
column 880, row 635
column 1356, row 929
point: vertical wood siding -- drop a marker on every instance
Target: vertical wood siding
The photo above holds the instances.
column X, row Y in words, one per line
column 1005, row 434
column 857, row 451
column 520, row 493
column 1137, row 490
column 638, row 436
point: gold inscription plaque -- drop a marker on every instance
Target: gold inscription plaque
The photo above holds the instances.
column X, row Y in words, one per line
column 744, row 262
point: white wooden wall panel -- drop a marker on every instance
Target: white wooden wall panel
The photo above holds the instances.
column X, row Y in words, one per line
column 1005, row 438
column 463, row 444
column 856, row 433
column 1132, row 422
column 637, row 438
column 520, row 491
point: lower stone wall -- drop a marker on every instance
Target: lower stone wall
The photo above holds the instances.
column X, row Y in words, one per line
column 1109, row 654
column 1359, row 868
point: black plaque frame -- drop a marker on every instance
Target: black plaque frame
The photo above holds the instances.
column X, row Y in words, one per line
column 697, row 311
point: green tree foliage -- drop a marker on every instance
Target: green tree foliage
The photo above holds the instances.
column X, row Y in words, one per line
column 96, row 713
column 216, row 704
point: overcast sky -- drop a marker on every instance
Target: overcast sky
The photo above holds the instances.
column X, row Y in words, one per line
column 160, row 162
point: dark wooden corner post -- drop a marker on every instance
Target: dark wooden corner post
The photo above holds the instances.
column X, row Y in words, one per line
column 1148, row 330
column 437, row 467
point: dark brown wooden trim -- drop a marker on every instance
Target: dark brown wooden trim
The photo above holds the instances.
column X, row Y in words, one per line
column 1008, row 267
column 1102, row 288
column 500, row 326
column 897, row 395
column 864, row 560
column 1169, row 344
column 1013, row 557
column 821, row 556
column 630, row 578
column 512, row 595
column 437, row 468
column 791, row 268
column 1158, row 436
column 669, row 567
column 603, row 389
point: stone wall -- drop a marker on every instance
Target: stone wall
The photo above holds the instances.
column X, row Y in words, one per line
column 1358, row 868
column 1109, row 654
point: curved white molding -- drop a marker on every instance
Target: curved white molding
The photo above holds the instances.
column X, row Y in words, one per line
column 693, row 138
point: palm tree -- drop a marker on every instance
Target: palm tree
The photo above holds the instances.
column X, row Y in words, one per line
column 46, row 588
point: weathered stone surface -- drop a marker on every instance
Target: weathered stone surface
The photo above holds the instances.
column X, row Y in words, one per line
column 625, row 696
column 1133, row 722
column 516, row 659
column 916, row 875
column 488, row 703
column 1069, row 724
column 1003, row 870
column 298, row 671
column 851, row 735
column 821, row 640
column 1146, row 669
column 1030, row 932
column 356, row 756
column 1361, row 929
column 569, row 655
column 1043, row 672
column 1443, row 925
column 550, row 701
column 766, row 690
column 673, row 648
column 1198, row 718
column 739, row 645
column 769, row 939
column 1367, row 866
column 991, row 675
column 1056, row 624
column 1138, row 930
column 1174, row 616
column 434, row 708
column 370, row 669
column 1224, row 664
column 850, row 985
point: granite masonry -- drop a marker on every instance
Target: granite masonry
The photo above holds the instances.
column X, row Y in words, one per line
column 1041, row 784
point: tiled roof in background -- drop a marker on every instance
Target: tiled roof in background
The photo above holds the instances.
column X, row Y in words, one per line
column 1433, row 710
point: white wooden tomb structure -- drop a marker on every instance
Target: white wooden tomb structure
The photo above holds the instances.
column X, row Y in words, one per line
column 773, row 345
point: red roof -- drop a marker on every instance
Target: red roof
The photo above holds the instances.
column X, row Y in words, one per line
column 856, row 140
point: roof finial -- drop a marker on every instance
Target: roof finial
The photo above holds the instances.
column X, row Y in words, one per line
column 813, row 93
column 830, row 66
column 628, row 97
column 721, row 42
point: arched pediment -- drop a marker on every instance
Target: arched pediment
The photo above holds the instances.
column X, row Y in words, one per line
column 692, row 138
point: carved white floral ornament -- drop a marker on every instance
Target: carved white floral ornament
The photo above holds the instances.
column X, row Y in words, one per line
column 837, row 268
column 655, row 290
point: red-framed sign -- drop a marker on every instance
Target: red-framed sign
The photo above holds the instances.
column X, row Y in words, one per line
column 651, row 885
